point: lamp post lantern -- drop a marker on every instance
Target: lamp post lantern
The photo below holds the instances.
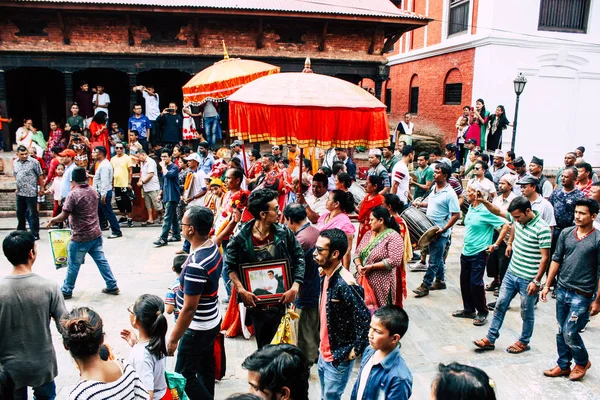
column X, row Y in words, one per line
column 519, row 83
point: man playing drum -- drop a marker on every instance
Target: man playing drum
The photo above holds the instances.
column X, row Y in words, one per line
column 444, row 210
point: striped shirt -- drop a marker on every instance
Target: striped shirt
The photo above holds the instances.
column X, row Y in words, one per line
column 529, row 239
column 200, row 276
column 127, row 387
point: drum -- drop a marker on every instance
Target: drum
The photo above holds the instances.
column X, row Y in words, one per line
column 421, row 228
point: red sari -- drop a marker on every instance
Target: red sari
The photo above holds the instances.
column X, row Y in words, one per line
column 364, row 213
column 99, row 137
column 401, row 271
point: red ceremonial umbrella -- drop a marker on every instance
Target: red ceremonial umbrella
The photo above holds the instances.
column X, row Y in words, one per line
column 311, row 110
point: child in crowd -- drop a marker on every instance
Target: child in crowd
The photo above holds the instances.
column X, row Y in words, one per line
column 134, row 144
column 56, row 190
column 383, row 372
column 149, row 353
column 171, row 295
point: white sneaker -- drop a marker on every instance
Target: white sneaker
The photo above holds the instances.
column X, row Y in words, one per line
column 417, row 267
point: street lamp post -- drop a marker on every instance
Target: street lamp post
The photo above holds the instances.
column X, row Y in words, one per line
column 519, row 83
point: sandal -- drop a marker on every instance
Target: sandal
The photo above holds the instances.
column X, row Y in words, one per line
column 517, row 348
column 464, row 314
column 480, row 320
column 492, row 286
column 146, row 223
column 484, row 344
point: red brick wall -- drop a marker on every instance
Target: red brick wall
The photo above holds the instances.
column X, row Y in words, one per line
column 108, row 34
column 433, row 117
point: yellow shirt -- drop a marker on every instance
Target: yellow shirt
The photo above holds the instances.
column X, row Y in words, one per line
column 121, row 167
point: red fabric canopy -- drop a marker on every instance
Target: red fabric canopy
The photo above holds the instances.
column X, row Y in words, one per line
column 311, row 110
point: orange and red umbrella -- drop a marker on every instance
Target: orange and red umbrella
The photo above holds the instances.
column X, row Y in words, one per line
column 224, row 78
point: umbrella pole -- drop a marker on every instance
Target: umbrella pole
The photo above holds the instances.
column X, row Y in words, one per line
column 300, row 171
column 244, row 158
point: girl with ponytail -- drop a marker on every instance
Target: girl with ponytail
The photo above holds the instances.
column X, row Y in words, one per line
column 149, row 353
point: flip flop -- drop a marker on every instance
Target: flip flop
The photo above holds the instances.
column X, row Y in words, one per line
column 146, row 223
column 464, row 314
column 480, row 320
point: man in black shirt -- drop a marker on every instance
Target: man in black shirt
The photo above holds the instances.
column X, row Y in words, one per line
column 577, row 257
column 172, row 124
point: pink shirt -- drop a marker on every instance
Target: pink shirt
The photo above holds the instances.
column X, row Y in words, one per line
column 324, row 347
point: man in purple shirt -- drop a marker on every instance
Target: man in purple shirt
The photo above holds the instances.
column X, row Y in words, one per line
column 81, row 207
column 83, row 98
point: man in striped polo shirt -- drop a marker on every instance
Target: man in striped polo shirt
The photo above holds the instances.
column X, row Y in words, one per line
column 530, row 257
column 199, row 319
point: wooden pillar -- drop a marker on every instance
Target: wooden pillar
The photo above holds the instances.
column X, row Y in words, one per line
column 378, row 85
column 68, row 78
column 4, row 112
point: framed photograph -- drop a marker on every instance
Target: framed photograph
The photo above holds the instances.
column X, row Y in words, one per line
column 268, row 280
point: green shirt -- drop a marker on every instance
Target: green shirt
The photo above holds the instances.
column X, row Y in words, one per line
column 423, row 176
column 389, row 165
column 479, row 229
column 77, row 120
column 529, row 239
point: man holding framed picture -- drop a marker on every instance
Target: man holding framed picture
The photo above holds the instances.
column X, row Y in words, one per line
column 261, row 240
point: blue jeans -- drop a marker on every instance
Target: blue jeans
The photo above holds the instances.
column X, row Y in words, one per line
column 109, row 214
column 45, row 392
column 224, row 273
column 333, row 380
column 572, row 313
column 211, row 126
column 76, row 256
column 436, row 261
column 511, row 285
column 170, row 221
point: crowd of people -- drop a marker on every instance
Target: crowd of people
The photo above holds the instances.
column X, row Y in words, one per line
column 346, row 249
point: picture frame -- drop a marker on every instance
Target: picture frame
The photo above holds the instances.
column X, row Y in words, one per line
column 268, row 280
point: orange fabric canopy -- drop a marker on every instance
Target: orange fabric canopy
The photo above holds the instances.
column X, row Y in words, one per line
column 310, row 110
column 223, row 78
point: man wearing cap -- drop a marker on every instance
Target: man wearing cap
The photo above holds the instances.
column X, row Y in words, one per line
column 206, row 159
column 580, row 151
column 237, row 152
column 342, row 155
column 451, row 150
column 389, row 159
column 81, row 207
column 536, row 168
column 521, row 171
column 67, row 157
column 122, row 167
column 197, row 188
column 497, row 262
column 569, row 161
column 499, row 169
column 529, row 185
column 170, row 196
column 401, row 177
column 28, row 174
column 378, row 169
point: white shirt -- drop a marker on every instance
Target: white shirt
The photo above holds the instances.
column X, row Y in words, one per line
column 400, row 175
column 198, row 186
column 317, row 204
column 152, row 109
column 148, row 167
column 503, row 203
column 486, row 183
column 545, row 209
column 103, row 98
column 270, row 285
column 149, row 369
column 408, row 129
column 362, row 382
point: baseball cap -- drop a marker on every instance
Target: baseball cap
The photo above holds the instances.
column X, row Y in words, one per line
column 451, row 147
column 528, row 180
column 193, row 157
column 472, row 141
column 237, row 143
column 217, row 182
column 67, row 153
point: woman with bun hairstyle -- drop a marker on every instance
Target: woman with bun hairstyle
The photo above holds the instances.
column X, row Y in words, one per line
column 149, row 352
column 339, row 204
column 83, row 335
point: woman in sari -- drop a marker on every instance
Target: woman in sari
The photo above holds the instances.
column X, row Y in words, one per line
column 99, row 131
column 339, row 204
column 372, row 199
column 378, row 256
column 54, row 139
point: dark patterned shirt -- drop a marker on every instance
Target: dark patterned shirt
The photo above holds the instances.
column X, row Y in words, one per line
column 564, row 206
column 82, row 204
column 27, row 173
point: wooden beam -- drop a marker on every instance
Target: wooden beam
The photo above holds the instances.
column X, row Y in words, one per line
column 64, row 29
column 130, row 39
column 390, row 40
column 260, row 36
column 373, row 41
column 323, row 36
column 196, row 32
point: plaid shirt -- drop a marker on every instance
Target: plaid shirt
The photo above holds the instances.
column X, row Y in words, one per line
column 27, row 173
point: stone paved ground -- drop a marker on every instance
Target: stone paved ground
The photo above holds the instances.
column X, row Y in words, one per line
column 433, row 337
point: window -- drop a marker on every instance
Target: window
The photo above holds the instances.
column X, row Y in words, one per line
column 453, row 93
column 388, row 99
column 414, row 100
column 564, row 15
column 458, row 20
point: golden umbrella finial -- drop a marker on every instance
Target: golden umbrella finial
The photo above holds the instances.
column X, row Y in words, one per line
column 307, row 68
column 225, row 54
